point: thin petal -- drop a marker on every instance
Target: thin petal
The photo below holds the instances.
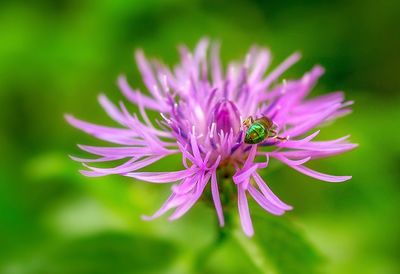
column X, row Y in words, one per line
column 216, row 70
column 267, row 192
column 315, row 174
column 137, row 97
column 161, row 177
column 279, row 70
column 244, row 213
column 311, row 123
column 164, row 208
column 250, row 157
column 129, row 166
column 111, row 109
column 241, row 175
column 264, row 202
column 181, row 210
column 195, row 149
column 98, row 160
column 216, row 198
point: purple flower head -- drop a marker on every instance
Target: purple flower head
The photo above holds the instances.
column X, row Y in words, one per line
column 203, row 113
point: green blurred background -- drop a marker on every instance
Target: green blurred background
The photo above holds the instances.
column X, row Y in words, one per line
column 56, row 56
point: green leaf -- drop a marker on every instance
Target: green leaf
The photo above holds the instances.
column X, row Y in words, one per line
column 109, row 252
column 279, row 247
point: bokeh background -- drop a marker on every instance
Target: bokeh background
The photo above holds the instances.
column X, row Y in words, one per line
column 57, row 56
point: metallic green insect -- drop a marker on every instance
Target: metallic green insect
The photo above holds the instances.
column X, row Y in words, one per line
column 260, row 129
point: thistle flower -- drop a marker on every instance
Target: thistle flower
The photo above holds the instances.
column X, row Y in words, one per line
column 202, row 110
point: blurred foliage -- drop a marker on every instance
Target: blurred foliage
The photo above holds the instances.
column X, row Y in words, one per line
column 56, row 56
column 285, row 246
column 108, row 252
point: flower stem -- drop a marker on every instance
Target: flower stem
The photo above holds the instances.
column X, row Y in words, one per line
column 254, row 253
column 204, row 255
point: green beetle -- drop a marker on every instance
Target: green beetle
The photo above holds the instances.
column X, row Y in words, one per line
column 260, row 129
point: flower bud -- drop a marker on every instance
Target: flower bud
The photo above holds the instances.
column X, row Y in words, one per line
column 226, row 116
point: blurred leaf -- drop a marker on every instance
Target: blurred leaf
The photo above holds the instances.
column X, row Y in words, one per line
column 278, row 244
column 230, row 259
column 109, row 252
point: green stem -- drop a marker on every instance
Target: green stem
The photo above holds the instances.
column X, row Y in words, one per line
column 254, row 253
column 204, row 255
column 232, row 228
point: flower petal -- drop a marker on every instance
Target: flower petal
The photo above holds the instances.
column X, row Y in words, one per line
column 264, row 202
column 312, row 173
column 266, row 191
column 244, row 214
column 161, row 177
column 216, row 198
column 129, row 166
column 181, row 210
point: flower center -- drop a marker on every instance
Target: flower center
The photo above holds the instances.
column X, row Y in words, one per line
column 226, row 117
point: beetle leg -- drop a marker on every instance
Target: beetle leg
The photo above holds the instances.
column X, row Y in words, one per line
column 282, row 138
column 248, row 122
column 274, row 135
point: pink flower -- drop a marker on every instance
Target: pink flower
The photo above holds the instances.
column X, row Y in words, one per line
column 202, row 109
